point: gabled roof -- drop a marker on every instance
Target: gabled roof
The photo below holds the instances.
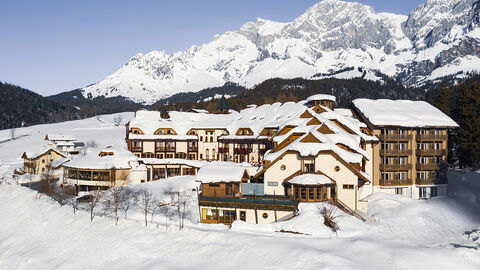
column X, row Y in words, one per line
column 43, row 150
column 217, row 172
column 59, row 137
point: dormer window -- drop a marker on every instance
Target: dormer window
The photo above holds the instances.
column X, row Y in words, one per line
column 137, row 131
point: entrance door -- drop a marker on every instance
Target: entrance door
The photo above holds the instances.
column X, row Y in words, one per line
column 243, row 216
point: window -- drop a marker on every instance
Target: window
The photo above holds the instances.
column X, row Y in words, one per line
column 319, row 193
column 272, row 184
column 243, row 216
column 265, row 215
column 191, row 156
column 283, row 167
column 158, row 173
column 228, row 189
column 347, row 186
column 43, row 169
column 43, row 160
column 201, row 138
column 169, row 155
column 399, row 191
column 422, row 192
column 207, row 154
column 213, row 185
column 337, row 168
column 311, row 194
column 303, row 193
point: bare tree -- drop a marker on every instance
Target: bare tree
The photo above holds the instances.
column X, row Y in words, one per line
column 112, row 202
column 93, row 202
column 118, row 120
column 74, row 205
column 155, row 207
column 89, row 144
column 128, row 198
column 146, row 200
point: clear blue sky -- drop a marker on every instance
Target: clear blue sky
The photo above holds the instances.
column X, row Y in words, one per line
column 55, row 46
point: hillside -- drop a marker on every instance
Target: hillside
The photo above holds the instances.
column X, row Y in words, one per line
column 22, row 107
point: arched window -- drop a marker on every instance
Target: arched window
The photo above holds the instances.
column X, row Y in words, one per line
column 211, row 139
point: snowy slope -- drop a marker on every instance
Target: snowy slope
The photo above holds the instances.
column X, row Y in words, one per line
column 433, row 41
column 36, row 233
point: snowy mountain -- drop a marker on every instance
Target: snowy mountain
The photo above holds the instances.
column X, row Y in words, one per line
column 439, row 38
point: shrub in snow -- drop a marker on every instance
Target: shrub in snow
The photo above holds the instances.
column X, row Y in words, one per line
column 329, row 217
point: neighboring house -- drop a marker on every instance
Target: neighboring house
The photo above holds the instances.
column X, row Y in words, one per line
column 65, row 143
column 41, row 161
column 411, row 157
column 101, row 169
column 227, row 195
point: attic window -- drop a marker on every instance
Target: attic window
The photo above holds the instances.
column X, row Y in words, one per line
column 265, row 215
column 336, row 169
column 283, row 167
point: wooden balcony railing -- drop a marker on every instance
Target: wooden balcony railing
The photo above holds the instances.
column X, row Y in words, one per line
column 428, row 166
column 431, row 137
column 223, row 150
column 165, row 149
column 395, row 137
column 395, row 152
column 244, row 151
column 430, row 152
column 432, row 181
column 395, row 167
column 396, row 182
column 136, row 149
column 192, row 149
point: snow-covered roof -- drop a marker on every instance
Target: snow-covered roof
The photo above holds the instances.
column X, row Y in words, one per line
column 310, row 180
column 64, row 143
column 214, row 172
column 404, row 113
column 58, row 162
column 60, row 137
column 255, row 117
column 322, row 97
column 40, row 151
column 121, row 158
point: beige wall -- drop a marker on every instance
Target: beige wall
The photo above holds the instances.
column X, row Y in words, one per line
column 42, row 163
column 292, row 164
column 148, row 146
column 326, row 163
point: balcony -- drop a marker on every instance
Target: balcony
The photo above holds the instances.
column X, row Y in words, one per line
column 430, row 152
column 244, row 151
column 252, row 189
column 395, row 167
column 249, row 203
column 395, row 152
column 395, row 137
column 192, row 149
column 428, row 167
column 136, row 149
column 223, row 150
column 431, row 137
column 165, row 149
column 396, row 182
column 432, row 181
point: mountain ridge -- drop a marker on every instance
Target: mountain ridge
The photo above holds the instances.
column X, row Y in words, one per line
column 331, row 35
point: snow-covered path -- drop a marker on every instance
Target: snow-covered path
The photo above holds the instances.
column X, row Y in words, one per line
column 36, row 233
